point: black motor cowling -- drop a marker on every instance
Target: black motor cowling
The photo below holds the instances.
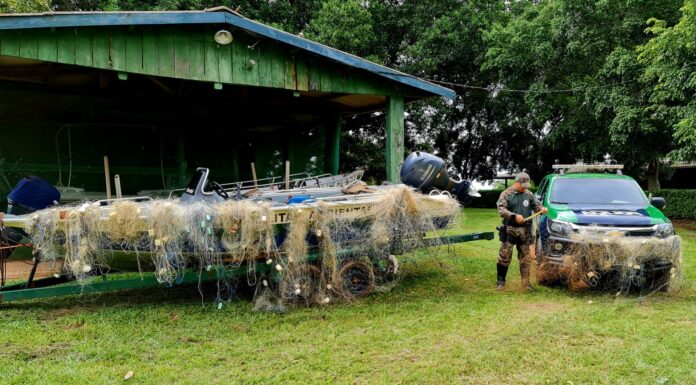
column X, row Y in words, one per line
column 428, row 172
column 31, row 194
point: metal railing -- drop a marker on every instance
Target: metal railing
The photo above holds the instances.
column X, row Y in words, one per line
column 277, row 183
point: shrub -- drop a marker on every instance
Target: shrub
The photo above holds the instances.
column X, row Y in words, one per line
column 681, row 204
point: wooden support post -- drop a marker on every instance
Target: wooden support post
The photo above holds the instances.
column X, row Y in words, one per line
column 107, row 176
column 333, row 144
column 287, row 175
column 181, row 155
column 395, row 137
column 253, row 174
column 117, row 183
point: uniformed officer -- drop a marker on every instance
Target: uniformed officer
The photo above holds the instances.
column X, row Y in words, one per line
column 514, row 205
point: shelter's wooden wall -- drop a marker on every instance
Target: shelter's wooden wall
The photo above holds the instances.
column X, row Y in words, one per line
column 189, row 52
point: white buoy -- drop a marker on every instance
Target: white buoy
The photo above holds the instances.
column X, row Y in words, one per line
column 265, row 283
column 279, row 268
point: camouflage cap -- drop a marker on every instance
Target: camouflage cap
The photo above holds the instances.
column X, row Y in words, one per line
column 523, row 179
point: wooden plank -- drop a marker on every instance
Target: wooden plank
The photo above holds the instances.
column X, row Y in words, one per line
column 9, row 44
column 117, row 49
column 47, row 44
column 361, row 84
column 326, row 76
column 395, row 137
column 100, row 48
column 66, row 45
column 83, row 46
column 252, row 62
column 302, row 73
column 150, row 52
column 134, row 50
column 314, row 75
column 226, row 57
column 265, row 63
column 166, row 53
column 338, row 81
column 28, row 44
column 239, row 58
column 182, row 57
column 197, row 55
column 212, row 70
column 290, row 74
column 277, row 57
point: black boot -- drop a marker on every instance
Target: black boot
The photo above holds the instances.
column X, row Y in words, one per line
column 502, row 273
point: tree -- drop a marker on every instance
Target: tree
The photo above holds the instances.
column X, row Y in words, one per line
column 670, row 57
column 345, row 25
column 584, row 90
column 440, row 40
column 448, row 47
column 24, row 6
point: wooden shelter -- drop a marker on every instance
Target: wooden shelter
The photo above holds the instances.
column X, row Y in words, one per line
column 161, row 93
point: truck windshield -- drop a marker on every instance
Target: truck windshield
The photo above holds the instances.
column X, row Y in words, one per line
column 604, row 191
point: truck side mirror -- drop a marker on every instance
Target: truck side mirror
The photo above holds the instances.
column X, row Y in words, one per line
column 658, row 202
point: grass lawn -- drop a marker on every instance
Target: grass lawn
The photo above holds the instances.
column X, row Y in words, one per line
column 443, row 324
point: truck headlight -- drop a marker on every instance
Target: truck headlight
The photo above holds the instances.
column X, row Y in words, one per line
column 664, row 230
column 560, row 227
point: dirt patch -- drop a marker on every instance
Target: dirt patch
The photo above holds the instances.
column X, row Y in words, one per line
column 685, row 224
column 543, row 307
column 27, row 354
column 50, row 315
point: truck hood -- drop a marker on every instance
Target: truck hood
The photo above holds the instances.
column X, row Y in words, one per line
column 611, row 215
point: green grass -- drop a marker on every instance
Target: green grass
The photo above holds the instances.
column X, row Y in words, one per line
column 444, row 323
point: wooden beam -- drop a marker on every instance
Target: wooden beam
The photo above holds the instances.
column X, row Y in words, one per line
column 395, row 137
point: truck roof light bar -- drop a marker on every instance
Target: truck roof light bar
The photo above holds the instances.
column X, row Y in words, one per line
column 577, row 168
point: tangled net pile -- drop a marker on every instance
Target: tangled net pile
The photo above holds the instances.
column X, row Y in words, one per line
column 618, row 263
column 320, row 253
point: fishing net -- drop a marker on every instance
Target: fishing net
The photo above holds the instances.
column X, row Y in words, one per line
column 618, row 263
column 304, row 254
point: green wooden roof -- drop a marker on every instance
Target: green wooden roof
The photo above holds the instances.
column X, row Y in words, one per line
column 180, row 45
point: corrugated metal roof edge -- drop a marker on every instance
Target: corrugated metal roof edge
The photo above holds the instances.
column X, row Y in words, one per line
column 94, row 19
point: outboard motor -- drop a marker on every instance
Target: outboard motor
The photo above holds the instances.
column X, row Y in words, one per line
column 427, row 172
column 31, row 194
column 200, row 189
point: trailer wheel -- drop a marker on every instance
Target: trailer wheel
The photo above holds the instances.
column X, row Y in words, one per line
column 357, row 279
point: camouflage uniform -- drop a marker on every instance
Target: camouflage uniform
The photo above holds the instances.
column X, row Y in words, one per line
column 510, row 204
